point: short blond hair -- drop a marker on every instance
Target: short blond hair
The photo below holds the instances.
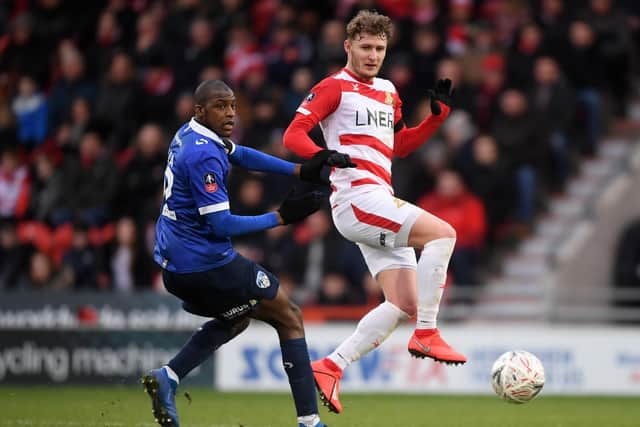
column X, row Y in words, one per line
column 370, row 22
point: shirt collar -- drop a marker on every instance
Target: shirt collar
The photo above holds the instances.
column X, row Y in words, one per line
column 203, row 130
column 359, row 79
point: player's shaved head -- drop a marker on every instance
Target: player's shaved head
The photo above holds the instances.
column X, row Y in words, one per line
column 215, row 106
column 211, row 89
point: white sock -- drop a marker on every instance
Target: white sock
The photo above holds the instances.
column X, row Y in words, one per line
column 431, row 278
column 309, row 420
column 171, row 374
column 371, row 331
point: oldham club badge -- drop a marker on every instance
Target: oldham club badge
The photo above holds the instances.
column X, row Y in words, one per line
column 210, row 184
column 262, row 280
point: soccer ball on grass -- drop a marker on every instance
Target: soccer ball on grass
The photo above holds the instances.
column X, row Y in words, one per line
column 517, row 376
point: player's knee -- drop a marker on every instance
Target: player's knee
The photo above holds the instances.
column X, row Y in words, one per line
column 442, row 231
column 293, row 322
column 429, row 232
column 296, row 315
column 446, row 231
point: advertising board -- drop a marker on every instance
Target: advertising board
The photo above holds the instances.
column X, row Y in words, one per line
column 576, row 360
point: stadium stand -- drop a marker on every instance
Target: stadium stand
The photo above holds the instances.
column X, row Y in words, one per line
column 90, row 93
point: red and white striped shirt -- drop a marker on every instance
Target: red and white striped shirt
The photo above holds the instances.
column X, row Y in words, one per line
column 362, row 119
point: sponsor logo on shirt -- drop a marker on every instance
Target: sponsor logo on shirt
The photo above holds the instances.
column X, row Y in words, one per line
column 377, row 118
column 310, row 97
column 210, row 184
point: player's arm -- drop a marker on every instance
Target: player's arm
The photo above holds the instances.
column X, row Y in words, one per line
column 323, row 100
column 225, row 224
column 206, row 181
column 250, row 158
column 296, row 136
column 407, row 140
column 212, row 200
column 293, row 209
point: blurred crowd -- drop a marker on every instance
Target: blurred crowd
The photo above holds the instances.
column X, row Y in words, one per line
column 91, row 93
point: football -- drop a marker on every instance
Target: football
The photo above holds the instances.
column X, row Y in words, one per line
column 517, row 376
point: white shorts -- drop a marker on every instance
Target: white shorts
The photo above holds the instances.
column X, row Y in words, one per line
column 380, row 224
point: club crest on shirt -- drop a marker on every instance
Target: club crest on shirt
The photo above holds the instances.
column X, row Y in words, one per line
column 310, row 97
column 262, row 280
column 388, row 98
column 210, row 184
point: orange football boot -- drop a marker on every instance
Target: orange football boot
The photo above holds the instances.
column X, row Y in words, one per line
column 327, row 376
column 429, row 343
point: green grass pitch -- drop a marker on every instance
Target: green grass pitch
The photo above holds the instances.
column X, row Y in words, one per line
column 130, row 407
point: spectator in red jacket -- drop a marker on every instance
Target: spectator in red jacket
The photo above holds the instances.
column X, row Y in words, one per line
column 14, row 185
column 452, row 202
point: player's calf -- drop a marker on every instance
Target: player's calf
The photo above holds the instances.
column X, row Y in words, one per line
column 286, row 318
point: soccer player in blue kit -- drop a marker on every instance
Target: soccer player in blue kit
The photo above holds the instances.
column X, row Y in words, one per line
column 199, row 264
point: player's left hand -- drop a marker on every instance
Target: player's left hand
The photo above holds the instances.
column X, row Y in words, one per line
column 296, row 207
column 340, row 160
column 443, row 92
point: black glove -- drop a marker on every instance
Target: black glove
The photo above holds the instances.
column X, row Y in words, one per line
column 311, row 170
column 340, row 160
column 442, row 92
column 297, row 207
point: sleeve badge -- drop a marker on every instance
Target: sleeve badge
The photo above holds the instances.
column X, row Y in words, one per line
column 210, row 184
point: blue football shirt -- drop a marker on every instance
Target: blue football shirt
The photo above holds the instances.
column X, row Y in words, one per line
column 194, row 185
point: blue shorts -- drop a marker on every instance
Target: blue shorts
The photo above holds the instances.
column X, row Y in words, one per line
column 228, row 293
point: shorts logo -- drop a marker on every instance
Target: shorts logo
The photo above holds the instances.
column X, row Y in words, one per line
column 399, row 203
column 310, row 97
column 210, row 184
column 235, row 311
column 262, row 280
column 383, row 239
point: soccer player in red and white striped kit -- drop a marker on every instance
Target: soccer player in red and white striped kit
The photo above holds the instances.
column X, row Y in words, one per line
column 361, row 120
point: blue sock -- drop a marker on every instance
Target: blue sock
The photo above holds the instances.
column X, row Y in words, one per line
column 297, row 365
column 204, row 341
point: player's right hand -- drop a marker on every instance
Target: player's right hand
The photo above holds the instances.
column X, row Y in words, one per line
column 297, row 207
